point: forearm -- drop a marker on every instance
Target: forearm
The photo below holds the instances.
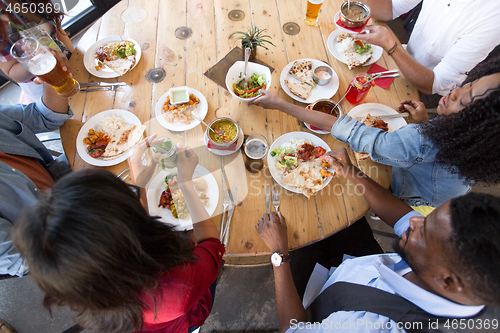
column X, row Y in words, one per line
column 380, row 9
column 53, row 100
column 16, row 71
column 315, row 118
column 419, row 75
column 287, row 299
column 383, row 203
column 64, row 38
column 203, row 225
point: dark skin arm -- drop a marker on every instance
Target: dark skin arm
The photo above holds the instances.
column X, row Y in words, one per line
column 383, row 203
column 272, row 230
column 269, row 100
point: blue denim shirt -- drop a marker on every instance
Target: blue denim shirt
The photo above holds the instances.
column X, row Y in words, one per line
column 18, row 125
column 416, row 176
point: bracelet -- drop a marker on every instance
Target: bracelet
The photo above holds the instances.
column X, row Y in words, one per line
column 392, row 49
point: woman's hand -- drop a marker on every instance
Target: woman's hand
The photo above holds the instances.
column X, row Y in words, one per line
column 339, row 160
column 272, row 229
column 377, row 35
column 267, row 100
column 417, row 110
column 141, row 170
column 187, row 160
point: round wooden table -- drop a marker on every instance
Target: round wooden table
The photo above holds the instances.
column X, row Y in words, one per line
column 185, row 62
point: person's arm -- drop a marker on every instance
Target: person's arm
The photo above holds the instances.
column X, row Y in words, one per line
column 64, row 38
column 203, row 225
column 141, row 173
column 272, row 229
column 269, row 100
column 53, row 100
column 383, row 203
column 15, row 71
column 419, row 75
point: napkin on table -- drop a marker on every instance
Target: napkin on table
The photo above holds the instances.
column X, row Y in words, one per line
column 383, row 82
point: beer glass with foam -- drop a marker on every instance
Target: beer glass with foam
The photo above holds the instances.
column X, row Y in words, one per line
column 312, row 12
column 38, row 60
column 255, row 151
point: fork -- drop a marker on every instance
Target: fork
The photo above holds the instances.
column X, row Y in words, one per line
column 276, row 200
column 225, row 205
column 110, row 88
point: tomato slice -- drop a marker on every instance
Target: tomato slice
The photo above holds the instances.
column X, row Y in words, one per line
column 360, row 43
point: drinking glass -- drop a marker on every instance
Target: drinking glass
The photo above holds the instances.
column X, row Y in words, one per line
column 358, row 88
column 255, row 151
column 38, row 60
column 312, row 12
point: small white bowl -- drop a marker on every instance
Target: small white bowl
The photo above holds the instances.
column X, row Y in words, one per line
column 179, row 95
column 235, row 73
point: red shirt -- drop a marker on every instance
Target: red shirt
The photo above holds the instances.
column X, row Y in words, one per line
column 183, row 298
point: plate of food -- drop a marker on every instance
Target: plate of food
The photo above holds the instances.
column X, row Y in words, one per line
column 165, row 198
column 370, row 110
column 108, row 137
column 112, row 56
column 297, row 81
column 178, row 117
column 293, row 163
column 352, row 52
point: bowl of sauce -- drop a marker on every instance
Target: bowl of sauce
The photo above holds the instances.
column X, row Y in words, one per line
column 356, row 16
column 226, row 132
column 179, row 95
column 322, row 75
column 326, row 106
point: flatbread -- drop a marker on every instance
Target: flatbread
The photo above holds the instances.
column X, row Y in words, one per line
column 368, row 121
column 302, row 71
column 303, row 90
column 346, row 48
column 306, row 177
column 122, row 136
column 106, row 54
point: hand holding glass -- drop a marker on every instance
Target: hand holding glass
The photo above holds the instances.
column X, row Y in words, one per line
column 38, row 60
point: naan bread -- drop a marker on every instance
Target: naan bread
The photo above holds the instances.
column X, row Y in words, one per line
column 368, row 121
column 306, row 177
column 122, row 135
column 302, row 71
column 346, row 48
column 303, row 90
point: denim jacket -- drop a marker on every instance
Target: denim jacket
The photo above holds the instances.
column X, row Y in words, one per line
column 416, row 176
column 18, row 125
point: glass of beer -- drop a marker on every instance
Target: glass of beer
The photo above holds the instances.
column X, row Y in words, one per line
column 313, row 7
column 38, row 60
column 255, row 151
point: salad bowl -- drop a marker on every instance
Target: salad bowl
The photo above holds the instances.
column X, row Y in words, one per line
column 258, row 76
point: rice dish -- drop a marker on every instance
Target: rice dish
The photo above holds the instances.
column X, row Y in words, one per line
column 110, row 124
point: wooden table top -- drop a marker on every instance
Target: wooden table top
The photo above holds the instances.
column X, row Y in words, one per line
column 185, row 61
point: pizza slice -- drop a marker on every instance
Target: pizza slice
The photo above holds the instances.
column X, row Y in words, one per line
column 303, row 90
column 302, row 71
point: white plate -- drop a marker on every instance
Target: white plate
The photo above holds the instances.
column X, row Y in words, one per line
column 332, row 47
column 225, row 152
column 201, row 110
column 157, row 186
column 337, row 17
column 234, row 76
column 276, row 173
column 129, row 118
column 376, row 109
column 318, row 92
column 89, row 61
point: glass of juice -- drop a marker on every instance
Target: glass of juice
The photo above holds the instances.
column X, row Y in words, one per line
column 358, row 88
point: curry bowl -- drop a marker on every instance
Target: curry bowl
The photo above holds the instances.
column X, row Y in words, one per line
column 227, row 132
column 357, row 15
column 326, row 105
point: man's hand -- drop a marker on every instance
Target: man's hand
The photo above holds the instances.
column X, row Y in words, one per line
column 140, row 170
column 272, row 230
column 339, row 160
column 417, row 110
column 377, row 35
column 267, row 100
column 187, row 161
column 61, row 58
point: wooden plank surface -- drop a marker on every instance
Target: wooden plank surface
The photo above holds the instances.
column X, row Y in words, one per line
column 185, row 61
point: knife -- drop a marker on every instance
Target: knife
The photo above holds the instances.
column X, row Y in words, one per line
column 387, row 116
column 232, row 196
column 268, row 199
column 102, row 84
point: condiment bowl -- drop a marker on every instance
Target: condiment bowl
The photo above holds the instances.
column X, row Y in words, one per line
column 325, row 105
column 351, row 23
column 235, row 73
column 224, row 144
column 320, row 80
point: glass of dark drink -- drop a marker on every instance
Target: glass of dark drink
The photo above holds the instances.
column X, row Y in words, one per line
column 38, row 60
column 255, row 151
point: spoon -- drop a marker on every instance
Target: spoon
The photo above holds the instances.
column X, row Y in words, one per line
column 243, row 79
column 204, row 123
column 335, row 106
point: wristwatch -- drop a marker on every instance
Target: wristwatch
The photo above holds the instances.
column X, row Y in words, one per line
column 277, row 259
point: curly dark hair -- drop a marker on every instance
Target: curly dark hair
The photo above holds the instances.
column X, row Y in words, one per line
column 474, row 244
column 467, row 140
column 92, row 246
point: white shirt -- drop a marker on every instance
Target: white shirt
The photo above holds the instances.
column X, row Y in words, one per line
column 451, row 37
column 384, row 272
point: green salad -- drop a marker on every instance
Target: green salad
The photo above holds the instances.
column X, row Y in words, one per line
column 250, row 87
column 361, row 47
column 125, row 49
